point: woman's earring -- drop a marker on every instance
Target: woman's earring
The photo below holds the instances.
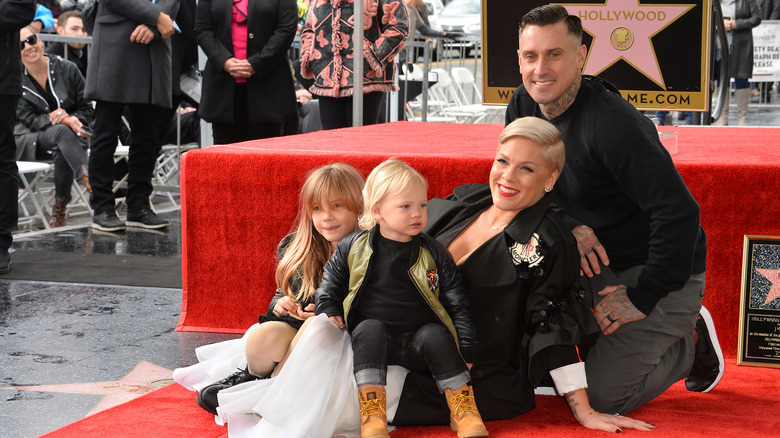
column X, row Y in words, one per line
column 548, row 189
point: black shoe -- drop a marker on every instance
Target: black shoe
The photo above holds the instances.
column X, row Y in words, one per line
column 207, row 397
column 145, row 218
column 108, row 221
column 708, row 362
column 5, row 261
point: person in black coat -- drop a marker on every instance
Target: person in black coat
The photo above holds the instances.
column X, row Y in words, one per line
column 248, row 90
column 642, row 247
column 770, row 9
column 14, row 15
column 129, row 65
column 184, row 56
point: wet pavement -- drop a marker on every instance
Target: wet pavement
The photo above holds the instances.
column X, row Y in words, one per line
column 91, row 345
column 69, row 348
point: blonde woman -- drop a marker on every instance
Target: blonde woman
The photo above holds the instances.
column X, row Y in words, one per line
column 518, row 262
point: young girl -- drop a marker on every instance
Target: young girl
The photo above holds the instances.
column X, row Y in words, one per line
column 329, row 205
column 400, row 296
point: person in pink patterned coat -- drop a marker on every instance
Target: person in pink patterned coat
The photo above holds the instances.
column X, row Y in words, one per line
column 326, row 56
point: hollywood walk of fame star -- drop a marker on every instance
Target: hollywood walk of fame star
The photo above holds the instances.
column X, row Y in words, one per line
column 143, row 378
column 773, row 275
column 616, row 20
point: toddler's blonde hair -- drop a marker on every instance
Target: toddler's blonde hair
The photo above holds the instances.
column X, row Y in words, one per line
column 391, row 176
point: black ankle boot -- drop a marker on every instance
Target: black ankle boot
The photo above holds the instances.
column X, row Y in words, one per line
column 207, row 397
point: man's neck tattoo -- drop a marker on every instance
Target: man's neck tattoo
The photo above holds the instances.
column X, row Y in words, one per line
column 557, row 108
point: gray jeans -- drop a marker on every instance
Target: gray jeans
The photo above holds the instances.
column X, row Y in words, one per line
column 644, row 358
column 70, row 158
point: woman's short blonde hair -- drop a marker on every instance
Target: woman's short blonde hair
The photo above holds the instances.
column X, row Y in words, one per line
column 391, row 176
column 539, row 131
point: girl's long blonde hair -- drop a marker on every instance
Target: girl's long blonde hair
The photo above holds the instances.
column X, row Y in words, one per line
column 307, row 253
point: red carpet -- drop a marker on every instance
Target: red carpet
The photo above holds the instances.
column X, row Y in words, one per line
column 239, row 200
column 744, row 404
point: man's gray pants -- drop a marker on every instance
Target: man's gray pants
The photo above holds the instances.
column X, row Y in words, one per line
column 642, row 359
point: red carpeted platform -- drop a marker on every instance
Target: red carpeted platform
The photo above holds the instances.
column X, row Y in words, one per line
column 744, row 404
column 239, row 200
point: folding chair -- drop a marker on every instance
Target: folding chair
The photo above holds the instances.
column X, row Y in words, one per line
column 445, row 91
column 167, row 170
column 465, row 82
column 435, row 103
column 30, row 173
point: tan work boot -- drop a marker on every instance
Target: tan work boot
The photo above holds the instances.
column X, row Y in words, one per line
column 373, row 417
column 464, row 416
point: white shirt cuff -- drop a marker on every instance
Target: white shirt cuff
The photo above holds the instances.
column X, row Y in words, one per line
column 569, row 378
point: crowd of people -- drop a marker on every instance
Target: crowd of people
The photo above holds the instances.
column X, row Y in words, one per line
column 249, row 89
column 69, row 104
column 565, row 268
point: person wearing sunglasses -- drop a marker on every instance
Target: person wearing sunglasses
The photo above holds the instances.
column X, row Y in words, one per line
column 14, row 14
column 248, row 90
column 53, row 119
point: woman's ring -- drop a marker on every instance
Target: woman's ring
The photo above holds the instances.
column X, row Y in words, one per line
column 610, row 319
column 59, row 113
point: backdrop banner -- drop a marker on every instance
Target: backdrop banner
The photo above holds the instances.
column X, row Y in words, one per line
column 766, row 51
column 656, row 52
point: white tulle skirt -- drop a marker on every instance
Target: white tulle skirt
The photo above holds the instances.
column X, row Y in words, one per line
column 314, row 396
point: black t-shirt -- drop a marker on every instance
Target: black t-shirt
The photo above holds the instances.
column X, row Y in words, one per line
column 620, row 181
column 390, row 295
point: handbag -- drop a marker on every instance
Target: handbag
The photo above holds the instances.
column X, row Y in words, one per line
column 88, row 15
